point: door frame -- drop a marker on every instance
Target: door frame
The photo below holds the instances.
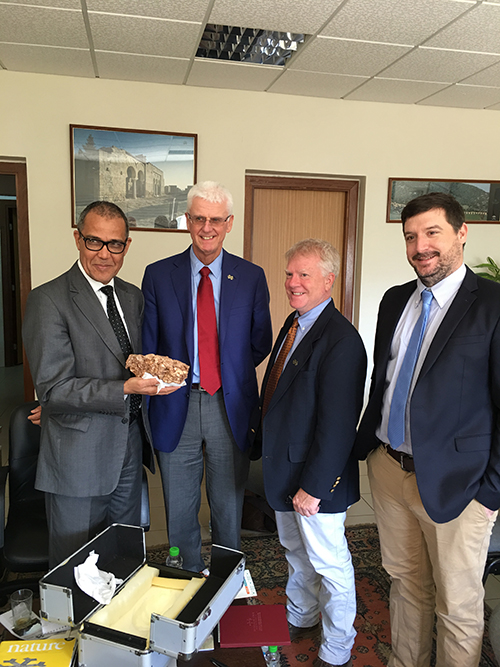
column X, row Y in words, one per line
column 351, row 190
column 18, row 169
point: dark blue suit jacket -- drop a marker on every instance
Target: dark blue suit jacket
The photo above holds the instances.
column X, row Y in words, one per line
column 245, row 339
column 310, row 425
column 454, row 408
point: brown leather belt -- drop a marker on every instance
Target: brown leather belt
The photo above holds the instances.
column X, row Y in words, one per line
column 197, row 386
column 406, row 461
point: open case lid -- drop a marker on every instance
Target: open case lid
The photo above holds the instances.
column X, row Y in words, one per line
column 122, row 551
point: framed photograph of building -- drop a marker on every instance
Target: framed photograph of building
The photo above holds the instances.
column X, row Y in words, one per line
column 148, row 174
column 479, row 199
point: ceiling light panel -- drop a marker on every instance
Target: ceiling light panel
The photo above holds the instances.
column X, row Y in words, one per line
column 248, row 45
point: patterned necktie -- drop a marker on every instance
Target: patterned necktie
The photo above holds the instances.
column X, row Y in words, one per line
column 396, row 426
column 208, row 340
column 277, row 369
column 121, row 333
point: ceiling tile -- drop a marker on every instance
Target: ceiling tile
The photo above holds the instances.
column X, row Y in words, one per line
column 157, row 37
column 425, row 64
column 339, row 56
column 470, row 97
column 395, row 21
column 41, row 25
column 141, row 68
column 488, row 77
column 194, row 10
column 299, row 16
column 46, row 60
column 478, row 30
column 394, row 90
column 217, row 74
column 315, row 84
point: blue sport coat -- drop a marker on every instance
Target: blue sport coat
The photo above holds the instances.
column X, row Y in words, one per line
column 245, row 339
column 310, row 425
column 455, row 405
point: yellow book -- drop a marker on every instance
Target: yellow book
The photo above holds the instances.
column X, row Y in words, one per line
column 53, row 652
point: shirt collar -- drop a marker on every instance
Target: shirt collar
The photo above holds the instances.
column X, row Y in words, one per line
column 196, row 266
column 313, row 314
column 96, row 286
column 445, row 289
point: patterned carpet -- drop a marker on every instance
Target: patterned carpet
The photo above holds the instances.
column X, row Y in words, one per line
column 266, row 561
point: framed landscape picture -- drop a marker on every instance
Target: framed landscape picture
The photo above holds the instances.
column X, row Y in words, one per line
column 147, row 174
column 479, row 199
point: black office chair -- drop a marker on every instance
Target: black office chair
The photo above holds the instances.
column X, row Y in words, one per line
column 493, row 559
column 24, row 542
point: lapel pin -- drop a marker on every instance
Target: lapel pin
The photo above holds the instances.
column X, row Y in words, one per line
column 230, row 277
column 295, row 362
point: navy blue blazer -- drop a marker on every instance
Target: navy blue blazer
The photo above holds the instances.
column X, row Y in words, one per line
column 310, row 425
column 454, row 408
column 245, row 339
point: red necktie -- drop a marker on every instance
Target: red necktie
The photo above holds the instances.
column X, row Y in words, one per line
column 277, row 369
column 208, row 341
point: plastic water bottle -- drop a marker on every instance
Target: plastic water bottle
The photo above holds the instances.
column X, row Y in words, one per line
column 272, row 657
column 174, row 559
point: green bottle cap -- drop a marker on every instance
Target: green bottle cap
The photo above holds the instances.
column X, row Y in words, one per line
column 174, row 551
column 273, row 649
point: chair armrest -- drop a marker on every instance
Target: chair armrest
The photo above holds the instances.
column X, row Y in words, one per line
column 4, row 473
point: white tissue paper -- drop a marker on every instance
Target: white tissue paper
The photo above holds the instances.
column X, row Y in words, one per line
column 148, row 376
column 96, row 583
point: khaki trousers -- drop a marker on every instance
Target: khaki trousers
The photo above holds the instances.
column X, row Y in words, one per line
column 435, row 568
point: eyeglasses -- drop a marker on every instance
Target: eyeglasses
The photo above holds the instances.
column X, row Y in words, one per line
column 200, row 220
column 114, row 247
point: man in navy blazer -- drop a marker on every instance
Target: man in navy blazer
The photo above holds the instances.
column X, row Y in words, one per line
column 436, row 482
column 308, row 431
column 196, row 425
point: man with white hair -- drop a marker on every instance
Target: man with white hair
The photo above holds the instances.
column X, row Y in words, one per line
column 209, row 309
column 310, row 405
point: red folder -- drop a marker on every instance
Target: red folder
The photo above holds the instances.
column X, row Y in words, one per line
column 254, row 625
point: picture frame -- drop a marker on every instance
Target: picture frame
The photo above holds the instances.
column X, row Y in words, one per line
column 146, row 173
column 479, row 199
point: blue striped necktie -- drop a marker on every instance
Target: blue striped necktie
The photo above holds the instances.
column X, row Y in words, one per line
column 396, row 426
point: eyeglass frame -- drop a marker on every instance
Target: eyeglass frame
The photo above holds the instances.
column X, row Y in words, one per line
column 104, row 243
column 196, row 220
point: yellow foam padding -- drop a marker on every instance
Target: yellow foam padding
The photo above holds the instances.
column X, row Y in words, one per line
column 177, row 584
column 135, row 589
column 130, row 611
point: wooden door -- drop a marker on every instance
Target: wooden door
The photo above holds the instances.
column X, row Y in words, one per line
column 281, row 211
column 23, row 251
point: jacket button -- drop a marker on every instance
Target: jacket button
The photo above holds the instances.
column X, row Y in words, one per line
column 125, row 420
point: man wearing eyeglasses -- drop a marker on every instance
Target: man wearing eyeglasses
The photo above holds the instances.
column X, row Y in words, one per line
column 209, row 309
column 78, row 330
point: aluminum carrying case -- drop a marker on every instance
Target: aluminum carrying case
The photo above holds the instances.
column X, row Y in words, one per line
column 122, row 552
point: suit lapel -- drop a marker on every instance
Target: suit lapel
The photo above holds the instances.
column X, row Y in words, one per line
column 87, row 302
column 127, row 302
column 181, row 283
column 230, row 280
column 301, row 353
column 463, row 300
column 388, row 321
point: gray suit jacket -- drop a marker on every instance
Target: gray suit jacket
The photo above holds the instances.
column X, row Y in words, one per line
column 79, row 369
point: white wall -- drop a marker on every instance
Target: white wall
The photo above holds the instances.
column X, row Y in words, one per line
column 238, row 131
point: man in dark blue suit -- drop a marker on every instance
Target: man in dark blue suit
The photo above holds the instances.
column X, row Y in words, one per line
column 207, row 421
column 311, row 401
column 434, row 465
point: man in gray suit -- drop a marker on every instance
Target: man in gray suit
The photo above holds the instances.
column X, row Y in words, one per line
column 78, row 330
